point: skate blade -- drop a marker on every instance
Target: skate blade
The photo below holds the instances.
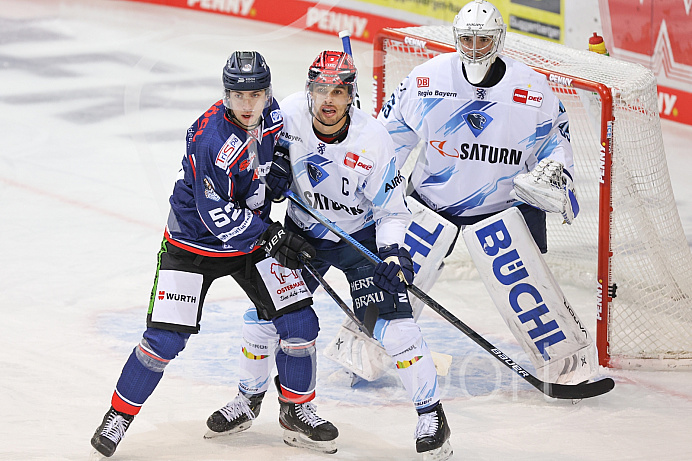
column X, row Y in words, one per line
column 240, row 428
column 439, row 454
column 298, row 440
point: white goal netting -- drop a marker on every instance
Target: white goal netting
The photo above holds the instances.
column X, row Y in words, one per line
column 649, row 320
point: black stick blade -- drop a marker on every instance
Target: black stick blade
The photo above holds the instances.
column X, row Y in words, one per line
column 578, row 391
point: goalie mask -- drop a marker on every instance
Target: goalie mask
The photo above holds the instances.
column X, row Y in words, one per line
column 331, row 76
column 247, row 87
column 479, row 35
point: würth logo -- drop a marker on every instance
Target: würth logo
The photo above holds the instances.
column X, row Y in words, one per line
column 423, row 82
column 177, row 297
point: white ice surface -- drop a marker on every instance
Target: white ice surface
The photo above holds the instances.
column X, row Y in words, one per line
column 95, row 99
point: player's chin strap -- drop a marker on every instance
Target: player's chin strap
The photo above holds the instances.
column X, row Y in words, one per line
column 371, row 312
column 558, row 391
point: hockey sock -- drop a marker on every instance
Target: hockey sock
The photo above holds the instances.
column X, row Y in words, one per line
column 403, row 341
column 296, row 357
column 144, row 368
column 257, row 353
column 135, row 385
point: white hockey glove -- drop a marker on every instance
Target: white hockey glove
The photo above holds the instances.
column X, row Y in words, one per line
column 549, row 188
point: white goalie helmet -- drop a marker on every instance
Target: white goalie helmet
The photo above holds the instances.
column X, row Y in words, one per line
column 479, row 35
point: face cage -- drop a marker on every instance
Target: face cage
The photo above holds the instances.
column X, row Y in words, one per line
column 493, row 34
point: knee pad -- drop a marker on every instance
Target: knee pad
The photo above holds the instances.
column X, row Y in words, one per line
column 298, row 332
column 257, row 331
column 398, row 336
column 158, row 347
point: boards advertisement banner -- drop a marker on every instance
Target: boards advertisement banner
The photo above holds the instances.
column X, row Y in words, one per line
column 656, row 34
column 306, row 15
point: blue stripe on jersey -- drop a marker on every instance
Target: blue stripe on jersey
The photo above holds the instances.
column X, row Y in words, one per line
column 548, row 147
column 441, row 177
column 476, row 198
column 424, row 106
column 383, row 195
column 540, row 133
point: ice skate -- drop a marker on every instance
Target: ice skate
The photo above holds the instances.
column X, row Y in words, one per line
column 235, row 416
column 304, row 429
column 111, row 431
column 432, row 435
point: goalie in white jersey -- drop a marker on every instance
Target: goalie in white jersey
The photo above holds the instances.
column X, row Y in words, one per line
column 341, row 161
column 495, row 137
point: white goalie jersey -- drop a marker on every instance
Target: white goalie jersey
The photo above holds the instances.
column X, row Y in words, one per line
column 477, row 139
column 354, row 183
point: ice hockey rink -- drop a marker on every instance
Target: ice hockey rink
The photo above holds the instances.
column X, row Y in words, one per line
column 95, row 100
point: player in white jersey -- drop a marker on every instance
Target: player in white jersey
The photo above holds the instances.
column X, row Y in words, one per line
column 486, row 119
column 495, row 137
column 341, row 161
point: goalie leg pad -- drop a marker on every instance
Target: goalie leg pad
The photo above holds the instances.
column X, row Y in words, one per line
column 259, row 344
column 358, row 353
column 528, row 297
column 403, row 341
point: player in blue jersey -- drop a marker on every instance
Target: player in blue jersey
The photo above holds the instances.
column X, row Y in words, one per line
column 219, row 225
column 341, row 161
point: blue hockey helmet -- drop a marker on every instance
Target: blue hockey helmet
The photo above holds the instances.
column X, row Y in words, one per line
column 246, row 71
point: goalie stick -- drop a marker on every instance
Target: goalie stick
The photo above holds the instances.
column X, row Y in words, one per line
column 557, row 391
column 370, row 318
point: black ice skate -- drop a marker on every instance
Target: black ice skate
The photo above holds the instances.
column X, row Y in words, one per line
column 236, row 416
column 111, row 431
column 432, row 435
column 303, row 428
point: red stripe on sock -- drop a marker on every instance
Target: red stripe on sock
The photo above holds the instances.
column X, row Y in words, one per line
column 288, row 396
column 124, row 407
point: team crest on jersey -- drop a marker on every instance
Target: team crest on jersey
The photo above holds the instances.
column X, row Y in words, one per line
column 358, row 163
column 313, row 166
column 209, row 191
column 276, row 116
column 477, row 121
column 528, row 97
column 228, row 151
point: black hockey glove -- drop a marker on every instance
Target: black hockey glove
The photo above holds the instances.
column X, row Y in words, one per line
column 395, row 271
column 279, row 178
column 285, row 246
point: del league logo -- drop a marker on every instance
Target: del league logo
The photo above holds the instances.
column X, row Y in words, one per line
column 359, row 163
column 528, row 97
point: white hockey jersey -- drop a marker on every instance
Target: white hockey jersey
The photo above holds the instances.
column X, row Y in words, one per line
column 476, row 139
column 354, row 183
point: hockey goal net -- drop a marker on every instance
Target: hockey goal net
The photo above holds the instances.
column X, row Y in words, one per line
column 627, row 243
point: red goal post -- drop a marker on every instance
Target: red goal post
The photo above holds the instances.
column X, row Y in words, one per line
column 628, row 240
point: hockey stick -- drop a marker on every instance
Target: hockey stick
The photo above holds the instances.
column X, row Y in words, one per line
column 345, row 36
column 558, row 391
column 367, row 326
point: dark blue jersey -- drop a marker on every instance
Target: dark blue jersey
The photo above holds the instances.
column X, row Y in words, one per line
column 218, row 206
